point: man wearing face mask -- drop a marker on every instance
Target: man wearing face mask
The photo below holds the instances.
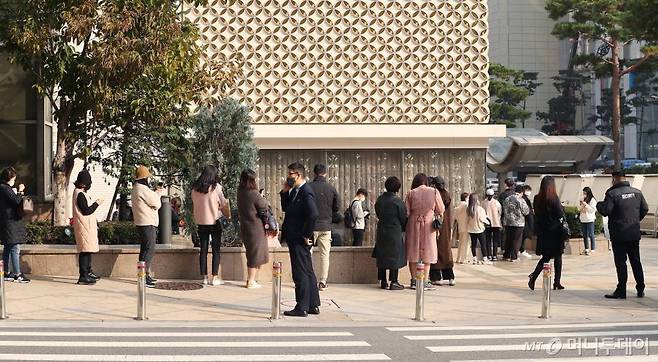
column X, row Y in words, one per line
column 494, row 212
column 301, row 213
column 528, row 229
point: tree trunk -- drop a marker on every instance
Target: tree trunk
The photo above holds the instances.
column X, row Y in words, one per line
column 62, row 167
column 616, row 104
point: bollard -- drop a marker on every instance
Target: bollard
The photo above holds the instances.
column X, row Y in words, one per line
column 141, row 290
column 420, row 291
column 546, row 301
column 276, row 289
column 164, row 216
column 3, row 305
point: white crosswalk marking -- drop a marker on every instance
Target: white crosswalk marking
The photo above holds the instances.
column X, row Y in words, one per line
column 577, row 359
column 185, row 358
column 178, row 344
column 176, row 334
column 546, row 347
column 533, row 335
column 521, row 326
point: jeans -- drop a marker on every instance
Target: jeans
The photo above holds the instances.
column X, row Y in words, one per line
column 392, row 275
column 323, row 242
column 147, row 236
column 474, row 243
column 632, row 250
column 493, row 240
column 588, row 235
column 357, row 237
column 12, row 253
column 206, row 234
column 84, row 264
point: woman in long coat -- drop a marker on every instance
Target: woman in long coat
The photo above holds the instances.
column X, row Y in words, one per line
column 12, row 228
column 389, row 244
column 442, row 271
column 423, row 204
column 550, row 239
column 85, row 227
column 252, row 230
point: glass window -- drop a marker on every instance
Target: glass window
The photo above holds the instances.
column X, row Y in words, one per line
column 18, row 148
column 19, row 99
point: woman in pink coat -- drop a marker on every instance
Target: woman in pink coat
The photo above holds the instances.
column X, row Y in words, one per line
column 423, row 203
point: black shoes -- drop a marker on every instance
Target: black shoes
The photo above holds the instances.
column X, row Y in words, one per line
column 150, row 282
column 296, row 313
column 618, row 295
column 396, row 286
column 322, row 286
column 531, row 282
column 86, row 280
column 558, row 286
column 94, row 276
column 21, row 278
column 314, row 311
column 383, row 285
column 640, row 293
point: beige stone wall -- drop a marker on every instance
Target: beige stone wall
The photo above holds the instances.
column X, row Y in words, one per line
column 360, row 61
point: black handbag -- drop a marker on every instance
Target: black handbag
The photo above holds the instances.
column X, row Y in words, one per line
column 268, row 219
column 437, row 222
column 566, row 231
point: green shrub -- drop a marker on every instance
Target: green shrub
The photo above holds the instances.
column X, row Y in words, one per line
column 574, row 223
column 109, row 233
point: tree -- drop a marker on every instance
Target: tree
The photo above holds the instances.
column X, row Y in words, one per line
column 614, row 23
column 561, row 116
column 87, row 55
column 604, row 112
column 221, row 136
column 508, row 91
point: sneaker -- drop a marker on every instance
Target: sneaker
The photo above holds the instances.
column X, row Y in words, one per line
column 322, row 286
column 252, row 285
column 205, row 280
column 9, row 277
column 486, row 262
column 94, row 276
column 429, row 286
column 396, row 286
column 526, row 254
column 150, row 282
column 475, row 260
column 585, row 252
column 86, row 280
column 216, row 280
column 513, row 260
column 437, row 282
column 412, row 285
column 21, row 278
column 494, row 258
column 451, row 283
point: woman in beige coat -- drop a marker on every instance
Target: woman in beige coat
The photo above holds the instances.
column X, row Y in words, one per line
column 85, row 227
column 423, row 204
column 461, row 219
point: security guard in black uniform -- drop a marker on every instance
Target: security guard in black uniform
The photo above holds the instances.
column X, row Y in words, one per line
column 625, row 207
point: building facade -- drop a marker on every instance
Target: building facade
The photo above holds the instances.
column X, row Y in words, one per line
column 372, row 88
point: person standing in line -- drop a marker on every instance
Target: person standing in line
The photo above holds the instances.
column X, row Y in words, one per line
column 208, row 201
column 461, row 219
column 327, row 201
column 625, row 207
column 549, row 216
column 528, row 229
column 514, row 212
column 389, row 244
column 442, row 271
column 359, row 215
column 301, row 213
column 494, row 211
column 146, row 204
column 251, row 207
column 587, row 218
column 509, row 191
column 423, row 204
column 12, row 227
column 477, row 222
column 85, row 227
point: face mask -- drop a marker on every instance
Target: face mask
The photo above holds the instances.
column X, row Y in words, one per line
column 528, row 193
column 489, row 197
column 290, row 181
column 11, row 183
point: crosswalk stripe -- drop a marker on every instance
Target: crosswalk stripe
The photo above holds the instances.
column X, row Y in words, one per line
column 572, row 359
column 530, row 326
column 546, row 347
column 182, row 358
column 174, row 334
column 531, row 335
column 179, row 344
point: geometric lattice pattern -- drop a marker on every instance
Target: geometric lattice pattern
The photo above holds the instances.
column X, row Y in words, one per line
column 367, row 61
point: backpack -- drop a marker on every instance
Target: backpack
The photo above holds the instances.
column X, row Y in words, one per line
column 348, row 217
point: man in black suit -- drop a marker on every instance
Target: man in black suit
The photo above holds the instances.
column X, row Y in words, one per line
column 298, row 202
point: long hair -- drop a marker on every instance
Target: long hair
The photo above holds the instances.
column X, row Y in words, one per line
column 472, row 205
column 207, row 181
column 419, row 180
column 248, row 180
column 547, row 196
column 588, row 194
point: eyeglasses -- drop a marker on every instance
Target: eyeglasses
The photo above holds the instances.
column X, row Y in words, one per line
column 291, row 173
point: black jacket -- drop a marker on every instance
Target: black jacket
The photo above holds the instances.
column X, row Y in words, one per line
column 529, row 229
column 389, row 246
column 326, row 200
column 548, row 227
column 12, row 228
column 301, row 215
column 625, row 207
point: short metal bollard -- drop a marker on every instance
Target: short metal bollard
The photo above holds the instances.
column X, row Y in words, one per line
column 276, row 289
column 420, row 291
column 3, row 305
column 141, row 291
column 546, row 301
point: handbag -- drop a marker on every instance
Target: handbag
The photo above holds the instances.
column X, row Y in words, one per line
column 26, row 208
column 566, row 231
column 437, row 222
column 268, row 219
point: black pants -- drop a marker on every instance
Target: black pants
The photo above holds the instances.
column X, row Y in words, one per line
column 84, row 263
column 474, row 243
column 357, row 237
column 147, row 236
column 492, row 235
column 441, row 274
column 206, row 234
column 392, row 275
column 306, row 284
column 632, row 250
column 557, row 264
column 513, row 235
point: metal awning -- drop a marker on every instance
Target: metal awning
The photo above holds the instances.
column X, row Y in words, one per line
column 531, row 151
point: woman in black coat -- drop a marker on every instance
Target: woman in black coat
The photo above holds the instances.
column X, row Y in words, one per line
column 12, row 228
column 548, row 226
column 389, row 245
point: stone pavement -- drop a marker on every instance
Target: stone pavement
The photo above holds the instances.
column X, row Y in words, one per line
column 483, row 294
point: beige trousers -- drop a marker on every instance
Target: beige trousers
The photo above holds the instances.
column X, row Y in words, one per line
column 323, row 241
column 463, row 253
